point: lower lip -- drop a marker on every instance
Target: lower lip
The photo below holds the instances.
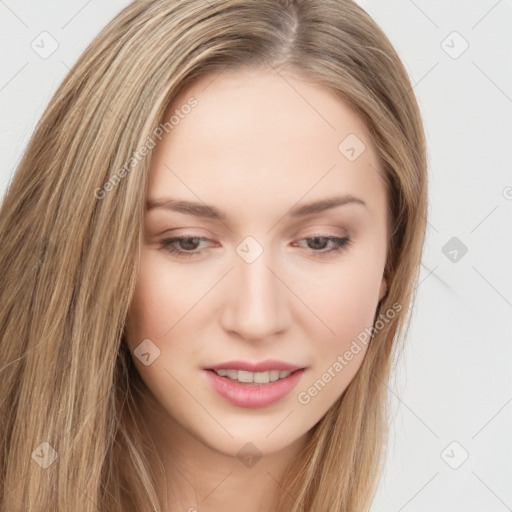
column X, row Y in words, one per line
column 251, row 395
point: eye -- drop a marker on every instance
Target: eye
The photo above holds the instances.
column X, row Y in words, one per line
column 317, row 244
column 188, row 245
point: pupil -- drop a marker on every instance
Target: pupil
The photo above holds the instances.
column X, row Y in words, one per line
column 315, row 242
column 186, row 241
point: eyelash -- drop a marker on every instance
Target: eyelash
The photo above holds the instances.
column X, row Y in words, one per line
column 340, row 243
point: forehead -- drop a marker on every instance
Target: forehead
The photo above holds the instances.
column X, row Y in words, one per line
column 259, row 133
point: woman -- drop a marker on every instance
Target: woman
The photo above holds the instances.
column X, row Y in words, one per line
column 208, row 256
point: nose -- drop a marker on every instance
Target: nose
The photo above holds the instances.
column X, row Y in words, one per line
column 254, row 306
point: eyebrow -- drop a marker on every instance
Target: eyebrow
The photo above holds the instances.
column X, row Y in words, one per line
column 211, row 212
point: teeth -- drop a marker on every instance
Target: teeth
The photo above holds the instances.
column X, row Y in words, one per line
column 256, row 377
column 232, row 374
column 274, row 375
column 245, row 376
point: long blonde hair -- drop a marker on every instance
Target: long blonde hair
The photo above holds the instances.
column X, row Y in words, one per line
column 71, row 435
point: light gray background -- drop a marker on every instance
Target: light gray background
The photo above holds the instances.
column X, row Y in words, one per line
column 453, row 383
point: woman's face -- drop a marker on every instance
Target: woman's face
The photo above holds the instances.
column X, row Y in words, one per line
column 267, row 269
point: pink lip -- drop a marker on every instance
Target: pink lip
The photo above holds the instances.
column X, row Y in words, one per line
column 252, row 395
column 263, row 366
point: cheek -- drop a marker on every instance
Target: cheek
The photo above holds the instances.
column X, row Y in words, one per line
column 161, row 298
column 158, row 312
column 346, row 307
column 346, row 302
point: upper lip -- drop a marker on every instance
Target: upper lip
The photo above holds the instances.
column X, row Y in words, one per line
column 262, row 366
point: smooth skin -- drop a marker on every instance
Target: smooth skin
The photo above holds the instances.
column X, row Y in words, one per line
column 257, row 144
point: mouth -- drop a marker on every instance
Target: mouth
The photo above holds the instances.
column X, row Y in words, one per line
column 254, row 378
column 247, row 389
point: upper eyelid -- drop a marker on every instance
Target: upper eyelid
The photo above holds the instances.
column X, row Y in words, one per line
column 311, row 232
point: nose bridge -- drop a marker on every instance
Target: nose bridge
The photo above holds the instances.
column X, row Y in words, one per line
column 255, row 305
